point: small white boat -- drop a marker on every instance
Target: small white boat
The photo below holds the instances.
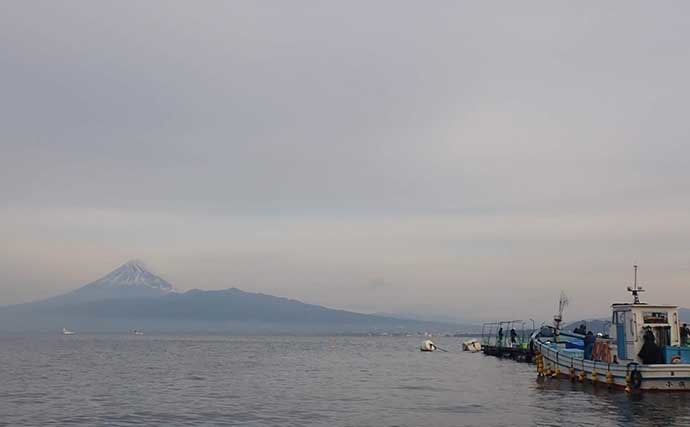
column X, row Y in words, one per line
column 428, row 345
column 67, row 332
column 473, row 345
column 137, row 332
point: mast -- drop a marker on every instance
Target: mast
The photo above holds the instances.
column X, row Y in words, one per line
column 562, row 303
column 635, row 290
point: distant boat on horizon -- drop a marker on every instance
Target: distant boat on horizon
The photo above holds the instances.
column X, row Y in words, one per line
column 66, row 331
column 138, row 332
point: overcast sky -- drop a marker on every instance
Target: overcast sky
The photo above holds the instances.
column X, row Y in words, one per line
column 464, row 158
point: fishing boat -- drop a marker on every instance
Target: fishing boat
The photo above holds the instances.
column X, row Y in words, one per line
column 642, row 350
column 67, row 332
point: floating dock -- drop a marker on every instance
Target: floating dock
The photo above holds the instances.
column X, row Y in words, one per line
column 503, row 339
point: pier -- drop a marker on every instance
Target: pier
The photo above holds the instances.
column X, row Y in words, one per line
column 508, row 339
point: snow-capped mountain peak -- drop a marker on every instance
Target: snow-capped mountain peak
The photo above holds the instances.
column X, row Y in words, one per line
column 130, row 280
column 132, row 274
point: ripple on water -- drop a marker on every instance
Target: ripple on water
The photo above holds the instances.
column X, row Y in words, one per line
column 285, row 381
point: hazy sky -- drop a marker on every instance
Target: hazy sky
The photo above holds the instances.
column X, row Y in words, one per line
column 466, row 158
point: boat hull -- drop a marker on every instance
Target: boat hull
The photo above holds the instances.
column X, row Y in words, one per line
column 473, row 346
column 665, row 377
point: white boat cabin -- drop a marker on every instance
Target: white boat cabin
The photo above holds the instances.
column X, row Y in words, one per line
column 629, row 322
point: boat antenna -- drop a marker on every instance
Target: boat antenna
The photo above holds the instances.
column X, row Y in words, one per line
column 562, row 303
column 635, row 289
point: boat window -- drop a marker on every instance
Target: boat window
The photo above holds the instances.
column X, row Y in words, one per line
column 620, row 319
column 655, row 317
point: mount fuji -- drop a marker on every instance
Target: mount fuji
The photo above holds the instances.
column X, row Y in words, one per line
column 130, row 280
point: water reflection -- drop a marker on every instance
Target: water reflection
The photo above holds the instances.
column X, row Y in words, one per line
column 613, row 406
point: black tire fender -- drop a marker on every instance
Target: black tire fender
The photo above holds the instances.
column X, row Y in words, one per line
column 636, row 379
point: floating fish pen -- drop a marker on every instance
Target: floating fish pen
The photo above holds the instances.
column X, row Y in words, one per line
column 503, row 339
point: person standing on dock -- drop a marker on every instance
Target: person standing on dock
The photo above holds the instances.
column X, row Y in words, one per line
column 513, row 337
column 500, row 337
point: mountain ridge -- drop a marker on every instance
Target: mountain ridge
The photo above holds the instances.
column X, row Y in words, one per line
column 109, row 303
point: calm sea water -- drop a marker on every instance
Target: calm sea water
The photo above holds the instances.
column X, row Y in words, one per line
column 287, row 381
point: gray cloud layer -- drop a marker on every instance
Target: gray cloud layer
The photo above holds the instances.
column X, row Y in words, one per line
column 475, row 158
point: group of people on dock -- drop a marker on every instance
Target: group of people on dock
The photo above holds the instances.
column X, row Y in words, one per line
column 513, row 337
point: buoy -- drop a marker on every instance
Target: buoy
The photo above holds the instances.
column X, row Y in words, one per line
column 556, row 373
column 636, row 379
column 539, row 360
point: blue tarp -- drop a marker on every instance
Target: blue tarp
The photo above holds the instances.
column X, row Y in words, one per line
column 670, row 352
column 577, row 344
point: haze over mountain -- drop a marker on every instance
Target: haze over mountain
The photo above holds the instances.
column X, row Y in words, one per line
column 377, row 156
column 132, row 297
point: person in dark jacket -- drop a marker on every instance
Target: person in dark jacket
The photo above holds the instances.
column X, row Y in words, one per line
column 513, row 336
column 649, row 353
column 582, row 329
column 500, row 336
column 589, row 344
